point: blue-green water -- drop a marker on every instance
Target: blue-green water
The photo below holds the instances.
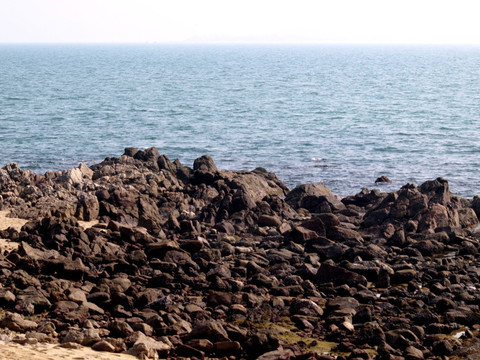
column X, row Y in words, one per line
column 337, row 115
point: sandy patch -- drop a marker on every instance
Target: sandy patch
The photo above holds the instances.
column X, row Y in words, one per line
column 6, row 222
column 87, row 224
column 7, row 245
column 14, row 351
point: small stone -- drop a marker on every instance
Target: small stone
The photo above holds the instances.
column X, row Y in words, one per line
column 187, row 351
column 144, row 328
column 226, row 347
column 148, row 346
column 73, row 336
column 103, row 346
column 412, row 353
column 238, row 309
column 70, row 345
column 77, row 295
column 269, row 220
column 5, row 338
column 93, row 308
column 383, row 179
column 279, row 354
column 347, row 325
column 201, row 344
column 6, row 297
column 211, row 330
column 193, row 308
column 442, row 348
column 359, row 354
column 120, row 329
column 90, row 336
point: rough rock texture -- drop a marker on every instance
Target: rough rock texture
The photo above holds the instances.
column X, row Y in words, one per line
column 203, row 263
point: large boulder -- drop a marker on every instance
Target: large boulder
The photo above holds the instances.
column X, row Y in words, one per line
column 296, row 197
column 147, row 347
column 211, row 330
column 88, row 207
column 432, row 207
column 205, row 164
column 76, row 176
column 256, row 184
column 316, row 198
column 16, row 322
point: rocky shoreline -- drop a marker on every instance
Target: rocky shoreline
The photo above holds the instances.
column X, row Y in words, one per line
column 197, row 263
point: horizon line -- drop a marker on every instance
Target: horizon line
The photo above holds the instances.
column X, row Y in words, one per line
column 300, row 43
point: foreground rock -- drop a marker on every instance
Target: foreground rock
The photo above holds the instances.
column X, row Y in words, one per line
column 202, row 263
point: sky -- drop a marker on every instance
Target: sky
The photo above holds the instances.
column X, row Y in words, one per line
column 246, row 21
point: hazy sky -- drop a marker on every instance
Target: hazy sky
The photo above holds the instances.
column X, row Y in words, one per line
column 334, row 21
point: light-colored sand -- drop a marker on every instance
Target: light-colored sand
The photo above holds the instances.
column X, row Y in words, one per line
column 7, row 245
column 13, row 351
column 87, row 224
column 16, row 223
column 5, row 223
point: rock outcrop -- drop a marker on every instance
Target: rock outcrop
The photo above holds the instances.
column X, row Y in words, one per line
column 204, row 263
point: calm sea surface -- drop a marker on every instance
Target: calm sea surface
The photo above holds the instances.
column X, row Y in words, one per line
column 337, row 115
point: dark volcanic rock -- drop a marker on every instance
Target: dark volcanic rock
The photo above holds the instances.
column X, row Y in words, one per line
column 211, row 330
column 303, row 195
column 16, row 322
column 383, row 179
column 205, row 163
column 338, row 275
column 204, row 263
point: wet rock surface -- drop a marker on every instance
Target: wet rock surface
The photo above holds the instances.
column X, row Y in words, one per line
column 201, row 263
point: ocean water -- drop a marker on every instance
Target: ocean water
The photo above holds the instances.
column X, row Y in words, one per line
column 337, row 115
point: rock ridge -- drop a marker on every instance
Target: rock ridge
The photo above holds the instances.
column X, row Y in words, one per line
column 202, row 263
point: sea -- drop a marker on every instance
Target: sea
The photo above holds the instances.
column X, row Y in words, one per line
column 340, row 115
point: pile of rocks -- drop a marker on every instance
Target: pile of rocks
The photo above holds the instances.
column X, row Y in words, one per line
column 200, row 263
